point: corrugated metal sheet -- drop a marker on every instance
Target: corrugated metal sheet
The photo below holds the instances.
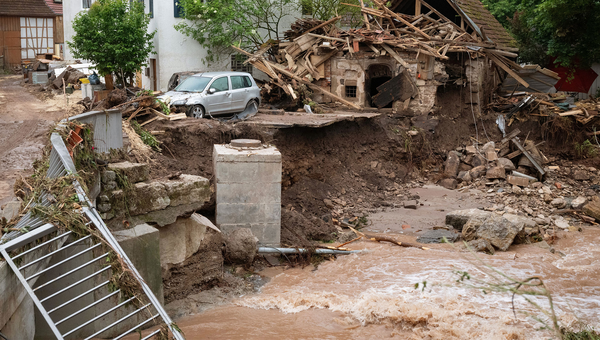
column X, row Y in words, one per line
column 108, row 128
column 539, row 80
column 61, row 164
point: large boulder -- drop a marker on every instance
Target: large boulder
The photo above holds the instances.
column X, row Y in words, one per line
column 452, row 164
column 506, row 163
column 459, row 218
column 499, row 231
column 592, row 208
column 241, row 246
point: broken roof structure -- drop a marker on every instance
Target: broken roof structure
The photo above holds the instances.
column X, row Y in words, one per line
column 470, row 15
column 398, row 59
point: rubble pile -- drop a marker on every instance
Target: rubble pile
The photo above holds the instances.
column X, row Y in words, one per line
column 524, row 107
column 312, row 43
column 535, row 195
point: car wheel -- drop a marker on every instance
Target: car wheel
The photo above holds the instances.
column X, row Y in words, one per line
column 251, row 102
column 196, row 111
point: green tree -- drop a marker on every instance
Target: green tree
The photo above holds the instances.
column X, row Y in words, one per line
column 568, row 30
column 327, row 9
column 248, row 24
column 502, row 10
column 113, row 34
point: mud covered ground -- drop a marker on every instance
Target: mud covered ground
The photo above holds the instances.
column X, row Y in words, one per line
column 343, row 171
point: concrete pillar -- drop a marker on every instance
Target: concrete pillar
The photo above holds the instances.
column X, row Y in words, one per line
column 248, row 189
column 21, row 324
column 142, row 246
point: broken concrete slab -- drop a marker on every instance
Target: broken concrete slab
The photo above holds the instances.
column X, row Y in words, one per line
column 438, row 236
column 157, row 195
column 142, row 246
column 134, row 172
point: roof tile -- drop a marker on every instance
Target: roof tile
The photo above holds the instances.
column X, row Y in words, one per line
column 28, row 8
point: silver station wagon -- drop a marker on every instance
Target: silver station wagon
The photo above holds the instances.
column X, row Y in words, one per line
column 214, row 94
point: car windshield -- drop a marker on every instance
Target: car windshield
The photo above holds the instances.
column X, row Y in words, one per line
column 193, row 84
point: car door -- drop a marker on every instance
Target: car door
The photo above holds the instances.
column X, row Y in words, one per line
column 239, row 92
column 219, row 102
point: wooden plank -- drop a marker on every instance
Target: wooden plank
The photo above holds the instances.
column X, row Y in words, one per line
column 397, row 88
column 314, row 87
column 325, row 37
column 373, row 48
column 514, row 133
column 401, row 19
column 395, row 55
column 330, row 21
column 177, row 116
column 135, row 113
column 150, row 120
column 365, row 17
column 570, row 113
column 441, row 16
column 507, row 69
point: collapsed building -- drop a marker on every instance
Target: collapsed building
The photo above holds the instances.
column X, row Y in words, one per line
column 399, row 59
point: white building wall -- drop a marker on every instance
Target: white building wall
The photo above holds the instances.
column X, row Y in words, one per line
column 70, row 10
column 175, row 52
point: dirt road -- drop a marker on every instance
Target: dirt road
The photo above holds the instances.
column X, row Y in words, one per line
column 24, row 123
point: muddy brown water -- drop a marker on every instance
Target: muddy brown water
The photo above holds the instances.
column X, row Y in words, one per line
column 371, row 295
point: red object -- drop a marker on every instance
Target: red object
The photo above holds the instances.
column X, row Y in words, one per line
column 580, row 81
column 405, row 226
column 558, row 185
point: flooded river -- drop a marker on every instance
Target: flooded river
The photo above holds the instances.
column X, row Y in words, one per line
column 372, row 296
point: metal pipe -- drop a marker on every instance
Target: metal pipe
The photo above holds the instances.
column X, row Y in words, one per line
column 271, row 250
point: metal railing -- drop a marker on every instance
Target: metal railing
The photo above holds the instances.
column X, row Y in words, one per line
column 33, row 228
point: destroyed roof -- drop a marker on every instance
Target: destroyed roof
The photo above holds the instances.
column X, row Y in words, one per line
column 481, row 17
column 27, row 8
column 473, row 12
